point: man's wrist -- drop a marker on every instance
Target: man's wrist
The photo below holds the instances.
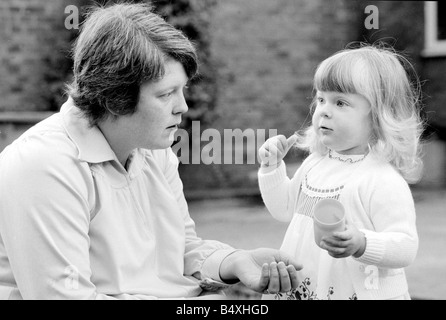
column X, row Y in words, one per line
column 229, row 267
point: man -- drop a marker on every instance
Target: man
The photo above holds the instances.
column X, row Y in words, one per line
column 91, row 203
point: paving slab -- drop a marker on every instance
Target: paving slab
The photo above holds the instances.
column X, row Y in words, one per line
column 245, row 223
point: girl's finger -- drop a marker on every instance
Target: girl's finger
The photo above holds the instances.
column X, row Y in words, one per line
column 282, row 144
column 264, row 277
column 336, row 251
column 273, row 156
column 293, row 277
column 274, row 281
column 291, row 141
column 343, row 235
column 285, row 282
column 263, row 153
column 335, row 242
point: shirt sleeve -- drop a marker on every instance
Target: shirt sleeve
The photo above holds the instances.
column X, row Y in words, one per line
column 393, row 241
column 44, row 220
column 202, row 258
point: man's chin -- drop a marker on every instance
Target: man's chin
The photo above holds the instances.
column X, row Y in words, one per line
column 163, row 142
column 171, row 138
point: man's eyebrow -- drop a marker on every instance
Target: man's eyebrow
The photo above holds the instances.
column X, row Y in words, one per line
column 177, row 85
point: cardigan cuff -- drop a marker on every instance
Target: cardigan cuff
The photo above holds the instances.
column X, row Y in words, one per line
column 271, row 180
column 374, row 250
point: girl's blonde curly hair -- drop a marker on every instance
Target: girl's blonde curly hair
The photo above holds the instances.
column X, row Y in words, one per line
column 390, row 84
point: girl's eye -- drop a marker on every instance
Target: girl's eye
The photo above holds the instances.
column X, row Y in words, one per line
column 341, row 104
column 320, row 100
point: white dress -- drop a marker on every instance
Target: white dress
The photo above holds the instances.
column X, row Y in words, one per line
column 323, row 277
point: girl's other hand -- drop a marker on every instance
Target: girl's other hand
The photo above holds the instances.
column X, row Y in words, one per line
column 350, row 242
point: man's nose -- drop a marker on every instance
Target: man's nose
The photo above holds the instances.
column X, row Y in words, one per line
column 181, row 105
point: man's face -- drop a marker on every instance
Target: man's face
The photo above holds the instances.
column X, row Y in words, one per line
column 160, row 108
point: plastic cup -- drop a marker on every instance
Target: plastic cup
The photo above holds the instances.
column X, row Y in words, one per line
column 328, row 217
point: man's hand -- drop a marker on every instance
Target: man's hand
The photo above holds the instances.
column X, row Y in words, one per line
column 261, row 269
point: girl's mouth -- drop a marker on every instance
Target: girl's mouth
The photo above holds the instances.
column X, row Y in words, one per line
column 323, row 128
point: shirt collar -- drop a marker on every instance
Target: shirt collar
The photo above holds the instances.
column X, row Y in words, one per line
column 91, row 143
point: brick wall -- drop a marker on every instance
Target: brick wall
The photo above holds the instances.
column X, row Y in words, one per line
column 401, row 23
column 268, row 51
column 435, row 92
column 33, row 53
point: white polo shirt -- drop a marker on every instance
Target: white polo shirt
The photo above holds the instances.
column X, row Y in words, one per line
column 74, row 224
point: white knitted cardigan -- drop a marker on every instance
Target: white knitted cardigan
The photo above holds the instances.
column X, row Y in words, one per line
column 378, row 202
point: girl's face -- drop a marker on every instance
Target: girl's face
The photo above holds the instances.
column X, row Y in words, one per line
column 343, row 121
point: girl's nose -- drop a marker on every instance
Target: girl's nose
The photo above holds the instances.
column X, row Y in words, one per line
column 325, row 111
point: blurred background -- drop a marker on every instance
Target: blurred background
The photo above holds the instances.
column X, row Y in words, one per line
column 257, row 62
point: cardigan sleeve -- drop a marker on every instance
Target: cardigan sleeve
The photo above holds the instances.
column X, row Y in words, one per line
column 392, row 241
column 280, row 193
column 275, row 190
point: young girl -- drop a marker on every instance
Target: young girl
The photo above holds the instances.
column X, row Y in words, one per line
column 364, row 150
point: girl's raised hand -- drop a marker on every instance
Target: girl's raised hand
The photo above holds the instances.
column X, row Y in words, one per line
column 273, row 151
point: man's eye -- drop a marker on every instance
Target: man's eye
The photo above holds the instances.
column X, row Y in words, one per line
column 320, row 100
column 166, row 95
